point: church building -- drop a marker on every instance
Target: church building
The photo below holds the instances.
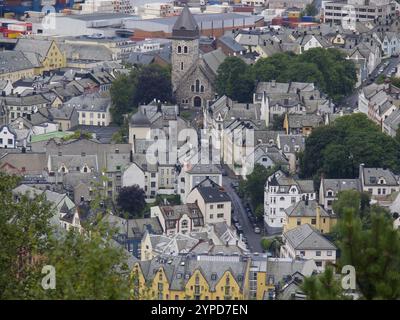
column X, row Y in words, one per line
column 193, row 73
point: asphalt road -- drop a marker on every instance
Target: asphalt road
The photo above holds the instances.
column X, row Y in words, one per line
column 253, row 238
column 351, row 101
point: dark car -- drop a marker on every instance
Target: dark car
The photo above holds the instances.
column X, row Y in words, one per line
column 235, row 220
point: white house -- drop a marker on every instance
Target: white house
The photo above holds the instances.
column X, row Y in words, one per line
column 305, row 242
column 282, row 191
column 8, row 137
column 378, row 182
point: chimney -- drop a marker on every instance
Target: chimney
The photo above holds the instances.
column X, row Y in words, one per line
column 318, row 213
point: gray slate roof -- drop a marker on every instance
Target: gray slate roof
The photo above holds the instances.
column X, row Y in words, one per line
column 13, row 61
column 303, row 209
column 185, row 26
column 305, row 237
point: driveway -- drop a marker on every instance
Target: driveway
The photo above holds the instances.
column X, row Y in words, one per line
column 240, row 212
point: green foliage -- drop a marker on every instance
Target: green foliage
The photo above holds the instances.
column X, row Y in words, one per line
column 253, row 186
column 327, row 68
column 234, row 80
column 153, row 82
column 121, row 136
column 24, row 231
column 338, row 149
column 131, row 200
column 381, row 79
column 142, row 85
column 172, row 199
column 78, row 135
column 324, row 286
column 187, row 115
column 87, row 265
column 310, row 10
column 259, row 211
column 89, row 268
column 368, row 242
column 122, row 91
column 266, row 243
column 395, row 81
column 277, row 122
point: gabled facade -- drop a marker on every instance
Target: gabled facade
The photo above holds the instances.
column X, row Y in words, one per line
column 282, row 191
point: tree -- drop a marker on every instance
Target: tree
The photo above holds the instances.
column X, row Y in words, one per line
column 373, row 249
column 131, row 200
column 323, row 286
column 153, row 82
column 328, row 69
column 253, row 186
column 338, row 149
column 24, row 236
column 141, row 86
column 123, row 90
column 310, row 10
column 277, row 122
column 234, row 80
column 78, row 135
column 88, row 265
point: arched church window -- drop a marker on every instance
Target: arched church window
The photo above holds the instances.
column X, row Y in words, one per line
column 179, row 49
column 185, row 49
column 201, row 88
column 197, row 85
column 192, row 88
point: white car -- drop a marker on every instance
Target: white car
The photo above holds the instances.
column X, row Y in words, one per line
column 257, row 230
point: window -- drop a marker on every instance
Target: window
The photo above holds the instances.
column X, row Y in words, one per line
column 10, row 141
column 220, row 215
column 313, row 221
column 211, row 206
column 220, row 206
column 185, row 49
column 181, row 65
column 329, row 253
column 318, row 253
column 318, row 263
column 179, row 49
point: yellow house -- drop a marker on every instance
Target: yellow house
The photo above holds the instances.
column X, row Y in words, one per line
column 45, row 55
column 214, row 277
column 309, row 212
column 195, row 277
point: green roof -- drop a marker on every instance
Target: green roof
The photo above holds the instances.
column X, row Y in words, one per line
column 48, row 136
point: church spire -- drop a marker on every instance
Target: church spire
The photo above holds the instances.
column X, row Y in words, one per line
column 185, row 26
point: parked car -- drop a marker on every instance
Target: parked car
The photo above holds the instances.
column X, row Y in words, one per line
column 235, row 220
column 257, row 230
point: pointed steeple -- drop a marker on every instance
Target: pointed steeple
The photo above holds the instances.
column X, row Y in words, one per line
column 186, row 26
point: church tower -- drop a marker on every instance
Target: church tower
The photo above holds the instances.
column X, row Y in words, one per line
column 185, row 45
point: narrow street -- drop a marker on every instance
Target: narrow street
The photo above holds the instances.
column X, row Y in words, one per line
column 351, row 101
column 240, row 212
